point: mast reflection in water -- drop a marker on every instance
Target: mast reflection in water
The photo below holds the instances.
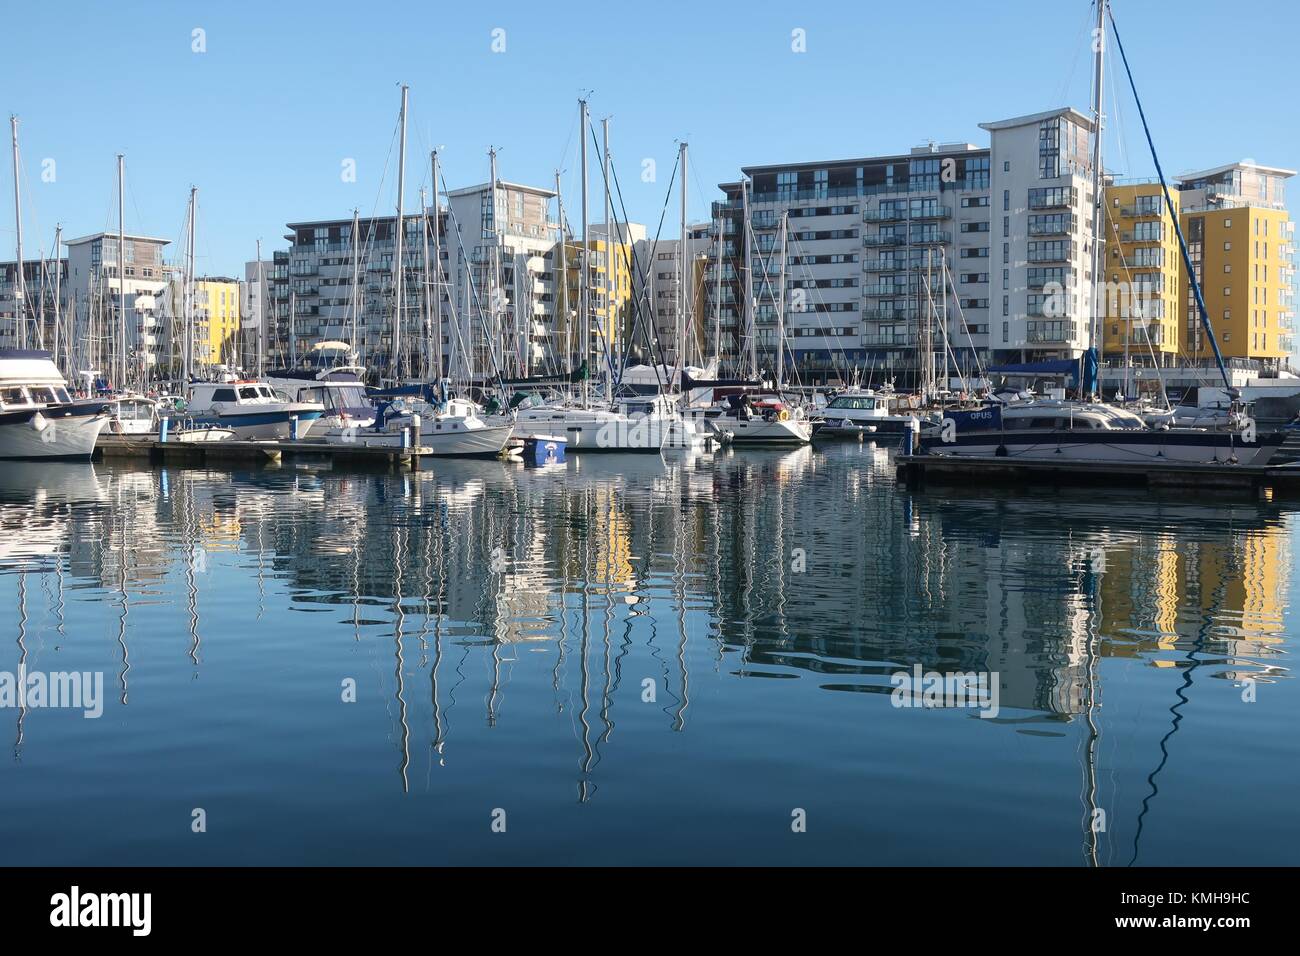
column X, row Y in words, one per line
column 631, row 659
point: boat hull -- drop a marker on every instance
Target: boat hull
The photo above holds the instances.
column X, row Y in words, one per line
column 757, row 431
column 261, row 425
column 1127, row 447
column 611, row 432
column 63, row 433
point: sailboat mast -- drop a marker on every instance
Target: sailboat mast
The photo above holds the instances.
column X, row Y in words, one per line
column 682, row 279
column 59, row 334
column 717, row 303
column 437, row 270
column 356, row 279
column 187, row 361
column 424, row 253
column 751, row 344
column 780, row 305
column 1098, row 200
column 261, row 309
column 496, row 305
column 399, row 282
column 20, row 310
column 562, row 288
column 121, row 273
column 584, row 297
column 611, row 329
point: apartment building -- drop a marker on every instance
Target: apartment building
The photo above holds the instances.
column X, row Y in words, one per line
column 40, row 280
column 859, row 236
column 1241, row 241
column 610, row 253
column 95, row 281
column 661, row 266
column 1042, row 236
column 1141, row 276
column 501, row 271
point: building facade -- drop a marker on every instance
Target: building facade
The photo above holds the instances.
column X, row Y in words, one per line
column 1241, row 241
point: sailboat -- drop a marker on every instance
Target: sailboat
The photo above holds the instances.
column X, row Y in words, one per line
column 1089, row 430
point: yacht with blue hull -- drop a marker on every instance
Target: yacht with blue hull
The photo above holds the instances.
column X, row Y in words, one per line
column 38, row 418
column 252, row 410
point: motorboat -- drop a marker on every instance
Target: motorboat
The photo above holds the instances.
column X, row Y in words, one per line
column 38, row 418
column 452, row 428
column 860, row 411
column 252, row 410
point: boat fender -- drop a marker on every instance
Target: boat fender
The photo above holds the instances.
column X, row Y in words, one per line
column 783, row 416
column 39, row 422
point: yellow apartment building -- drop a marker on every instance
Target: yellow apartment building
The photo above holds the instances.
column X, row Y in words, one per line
column 1241, row 241
column 609, row 318
column 216, row 317
column 1140, row 280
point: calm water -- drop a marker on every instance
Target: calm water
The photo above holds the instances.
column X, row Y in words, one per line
column 505, row 630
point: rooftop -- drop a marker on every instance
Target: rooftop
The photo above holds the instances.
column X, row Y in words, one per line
column 1034, row 118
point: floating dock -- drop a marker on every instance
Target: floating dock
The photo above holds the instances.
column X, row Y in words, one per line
column 949, row 469
column 202, row 453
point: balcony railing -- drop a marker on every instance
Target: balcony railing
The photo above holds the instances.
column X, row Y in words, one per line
column 887, row 265
column 884, row 215
column 889, row 315
column 936, row 238
column 1142, row 211
column 888, row 290
column 884, row 240
column 901, row 340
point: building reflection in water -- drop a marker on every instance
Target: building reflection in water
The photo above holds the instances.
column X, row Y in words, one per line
column 765, row 564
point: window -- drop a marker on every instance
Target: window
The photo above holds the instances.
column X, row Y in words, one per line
column 223, row 395
column 1227, row 247
column 1006, row 166
column 1227, row 224
column 1006, row 200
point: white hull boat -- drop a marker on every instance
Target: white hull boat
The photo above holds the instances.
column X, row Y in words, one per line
column 38, row 419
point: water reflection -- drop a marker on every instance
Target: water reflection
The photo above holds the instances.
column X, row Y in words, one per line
column 695, row 573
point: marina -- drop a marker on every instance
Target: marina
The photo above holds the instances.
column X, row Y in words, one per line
column 518, row 442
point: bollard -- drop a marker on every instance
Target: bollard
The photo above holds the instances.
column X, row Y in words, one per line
column 415, row 442
column 163, row 424
column 909, row 440
column 293, row 428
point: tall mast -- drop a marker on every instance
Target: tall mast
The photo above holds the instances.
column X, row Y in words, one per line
column 496, row 342
column 401, row 230
column 1098, row 201
column 437, row 270
column 584, row 256
column 562, row 287
column 683, row 280
column 427, row 371
column 187, row 359
column 59, row 333
column 717, row 305
column 356, row 279
column 293, row 329
column 751, row 345
column 943, row 313
column 261, row 310
column 611, row 328
column 20, row 310
column 780, row 305
column 121, row 274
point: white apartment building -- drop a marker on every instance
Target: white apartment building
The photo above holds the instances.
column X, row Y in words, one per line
column 91, row 292
column 1042, row 197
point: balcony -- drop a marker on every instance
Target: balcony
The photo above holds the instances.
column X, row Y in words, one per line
column 892, row 314
column 1134, row 237
column 931, row 238
column 885, row 265
column 885, row 215
column 1142, row 211
column 1053, row 226
column 884, row 240
column 895, row 340
column 889, row 290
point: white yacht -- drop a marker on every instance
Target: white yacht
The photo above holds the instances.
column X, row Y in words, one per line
column 338, row 389
column 38, row 418
column 651, row 423
column 252, row 410
column 859, row 410
column 453, row 428
column 1088, row 431
column 764, row 420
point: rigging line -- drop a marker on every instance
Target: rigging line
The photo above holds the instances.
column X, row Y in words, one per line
column 652, row 332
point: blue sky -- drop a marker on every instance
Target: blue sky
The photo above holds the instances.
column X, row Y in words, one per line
column 262, row 121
